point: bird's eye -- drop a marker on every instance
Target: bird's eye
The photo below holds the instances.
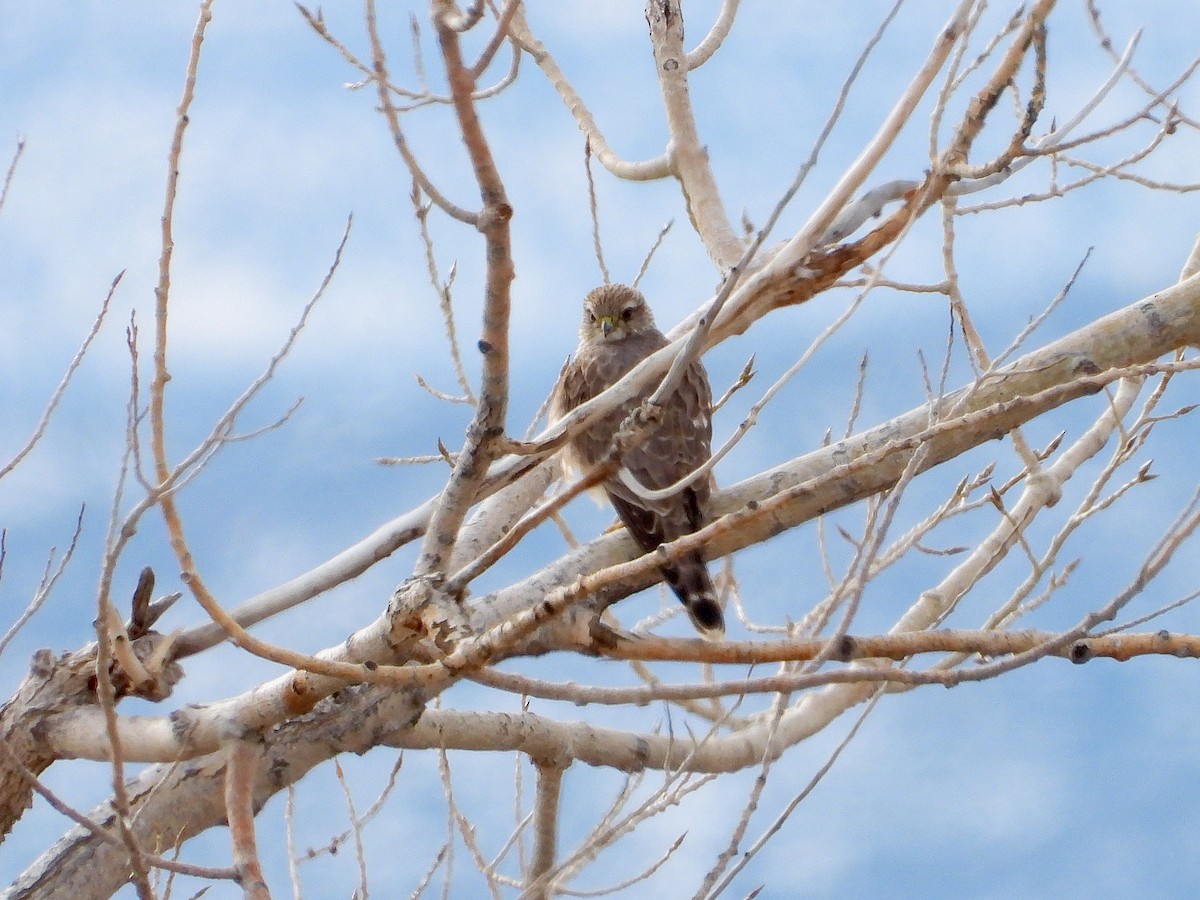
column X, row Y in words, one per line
column 627, row 314
column 591, row 316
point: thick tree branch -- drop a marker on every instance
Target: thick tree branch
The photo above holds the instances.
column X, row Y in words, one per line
column 689, row 159
column 487, row 428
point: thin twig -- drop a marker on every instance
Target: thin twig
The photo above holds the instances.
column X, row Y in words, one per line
column 380, row 78
column 593, row 209
column 52, row 404
column 662, row 233
column 12, row 170
column 442, row 288
column 355, row 830
column 50, row 577
column 749, row 854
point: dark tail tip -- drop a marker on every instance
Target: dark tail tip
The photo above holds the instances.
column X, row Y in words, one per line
column 707, row 616
column 691, row 583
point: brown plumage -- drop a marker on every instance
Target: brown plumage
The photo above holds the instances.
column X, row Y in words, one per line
column 617, row 333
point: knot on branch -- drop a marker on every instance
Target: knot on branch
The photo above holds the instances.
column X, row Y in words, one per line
column 1047, row 486
column 1081, row 652
column 847, row 648
column 492, row 216
column 155, row 676
column 57, row 683
column 426, row 621
column 141, row 663
column 600, row 636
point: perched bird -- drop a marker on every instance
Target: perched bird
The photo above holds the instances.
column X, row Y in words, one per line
column 616, row 334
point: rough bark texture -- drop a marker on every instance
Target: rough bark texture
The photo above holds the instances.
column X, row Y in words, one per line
column 175, row 802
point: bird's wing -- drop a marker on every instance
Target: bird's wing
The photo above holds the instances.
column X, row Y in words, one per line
column 677, row 445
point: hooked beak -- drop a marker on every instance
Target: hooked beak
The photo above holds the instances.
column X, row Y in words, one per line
column 607, row 325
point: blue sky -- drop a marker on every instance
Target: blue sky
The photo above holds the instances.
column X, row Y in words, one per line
column 1050, row 778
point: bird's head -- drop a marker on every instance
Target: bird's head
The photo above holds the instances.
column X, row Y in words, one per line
column 613, row 312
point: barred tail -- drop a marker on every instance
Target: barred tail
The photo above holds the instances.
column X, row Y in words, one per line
column 689, row 579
